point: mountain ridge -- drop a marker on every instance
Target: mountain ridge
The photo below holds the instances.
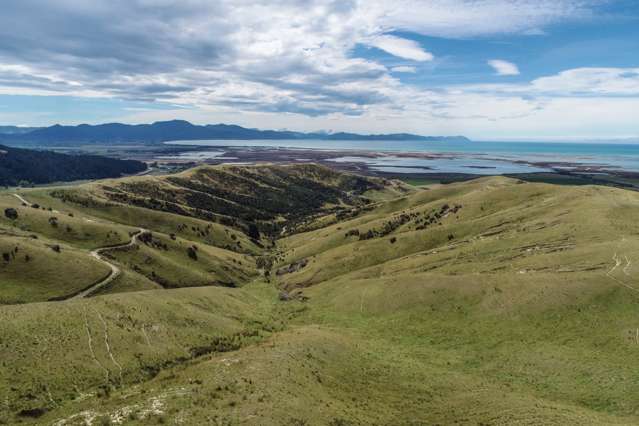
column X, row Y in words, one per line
column 16, row 130
column 164, row 131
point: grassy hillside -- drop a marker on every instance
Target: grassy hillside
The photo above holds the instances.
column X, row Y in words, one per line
column 206, row 226
column 37, row 269
column 269, row 197
column 485, row 302
column 94, row 346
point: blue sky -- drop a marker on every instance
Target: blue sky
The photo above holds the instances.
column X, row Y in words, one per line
column 488, row 69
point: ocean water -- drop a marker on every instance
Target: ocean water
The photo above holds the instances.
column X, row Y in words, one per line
column 462, row 164
column 465, row 157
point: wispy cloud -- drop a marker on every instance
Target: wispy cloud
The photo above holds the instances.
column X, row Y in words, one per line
column 582, row 82
column 404, row 68
column 401, row 47
column 591, row 81
column 502, row 67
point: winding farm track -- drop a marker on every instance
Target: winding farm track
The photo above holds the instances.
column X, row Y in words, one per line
column 19, row 197
column 115, row 270
column 97, row 254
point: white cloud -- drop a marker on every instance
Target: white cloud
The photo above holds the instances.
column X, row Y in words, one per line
column 404, row 68
column 502, row 67
column 287, row 55
column 290, row 63
column 471, row 18
column 401, row 47
column 599, row 81
column 583, row 82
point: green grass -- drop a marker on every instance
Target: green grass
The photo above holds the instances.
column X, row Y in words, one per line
column 580, row 179
column 195, row 208
column 78, row 230
column 419, row 181
column 170, row 265
column 146, row 332
column 34, row 272
column 128, row 281
column 519, row 307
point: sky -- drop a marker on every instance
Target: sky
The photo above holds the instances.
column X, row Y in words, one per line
column 486, row 69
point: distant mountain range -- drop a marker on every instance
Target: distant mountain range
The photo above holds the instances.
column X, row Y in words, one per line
column 181, row 130
column 16, row 130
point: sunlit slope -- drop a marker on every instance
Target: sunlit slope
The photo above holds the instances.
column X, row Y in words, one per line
column 485, row 302
column 53, row 353
column 45, row 217
column 528, row 314
column 488, row 226
column 54, row 238
column 38, row 269
column 205, row 226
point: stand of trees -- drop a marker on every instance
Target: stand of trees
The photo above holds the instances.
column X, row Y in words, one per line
column 21, row 166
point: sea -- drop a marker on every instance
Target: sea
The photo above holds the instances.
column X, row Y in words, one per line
column 476, row 157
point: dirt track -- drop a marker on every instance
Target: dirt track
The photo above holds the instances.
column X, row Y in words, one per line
column 97, row 254
column 115, row 270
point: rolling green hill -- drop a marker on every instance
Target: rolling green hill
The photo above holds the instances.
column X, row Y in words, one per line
column 358, row 301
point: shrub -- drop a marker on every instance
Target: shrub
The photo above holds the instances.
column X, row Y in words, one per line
column 146, row 237
column 253, row 232
column 192, row 253
column 11, row 213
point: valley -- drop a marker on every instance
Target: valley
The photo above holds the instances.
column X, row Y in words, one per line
column 302, row 295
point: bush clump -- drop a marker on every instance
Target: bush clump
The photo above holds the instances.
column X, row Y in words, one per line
column 192, row 252
column 11, row 213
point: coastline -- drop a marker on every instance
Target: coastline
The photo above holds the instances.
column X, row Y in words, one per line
column 366, row 162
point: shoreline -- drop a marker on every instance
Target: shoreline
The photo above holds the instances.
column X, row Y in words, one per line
column 170, row 158
column 558, row 172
